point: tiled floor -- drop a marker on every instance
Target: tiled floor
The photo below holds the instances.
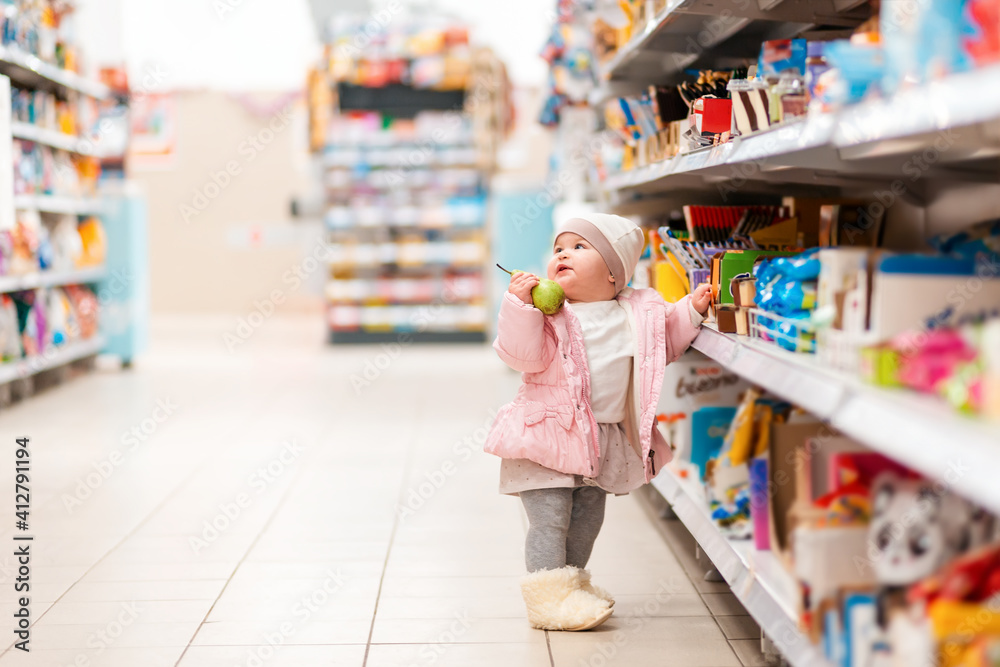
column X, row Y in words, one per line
column 288, row 503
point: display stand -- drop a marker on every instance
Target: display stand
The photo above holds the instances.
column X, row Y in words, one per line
column 857, row 152
column 21, row 377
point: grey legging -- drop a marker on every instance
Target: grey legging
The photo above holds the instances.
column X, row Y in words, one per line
column 563, row 525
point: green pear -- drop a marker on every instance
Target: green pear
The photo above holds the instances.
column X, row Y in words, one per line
column 548, row 296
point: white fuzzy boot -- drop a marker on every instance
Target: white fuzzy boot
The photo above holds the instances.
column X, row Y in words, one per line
column 595, row 590
column 556, row 600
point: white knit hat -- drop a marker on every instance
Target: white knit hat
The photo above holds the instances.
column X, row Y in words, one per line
column 618, row 239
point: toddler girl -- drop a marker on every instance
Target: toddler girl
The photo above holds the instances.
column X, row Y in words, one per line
column 583, row 423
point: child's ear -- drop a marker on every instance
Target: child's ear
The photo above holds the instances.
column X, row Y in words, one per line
column 611, row 278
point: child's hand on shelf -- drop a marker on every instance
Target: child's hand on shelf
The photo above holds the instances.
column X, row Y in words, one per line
column 521, row 284
column 700, row 298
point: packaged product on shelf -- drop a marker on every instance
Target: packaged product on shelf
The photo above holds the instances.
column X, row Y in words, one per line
column 792, row 97
column 703, row 394
column 10, row 331
column 94, row 242
column 932, row 39
column 31, row 319
column 816, row 66
column 991, row 365
column 856, row 73
column 57, row 309
column 6, row 251
column 728, row 474
column 25, row 239
column 85, row 308
column 67, row 245
column 780, row 56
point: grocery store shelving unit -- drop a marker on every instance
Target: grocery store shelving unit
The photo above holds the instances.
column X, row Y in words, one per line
column 919, row 430
column 858, row 151
column 867, row 143
column 407, row 217
column 30, row 72
column 688, row 34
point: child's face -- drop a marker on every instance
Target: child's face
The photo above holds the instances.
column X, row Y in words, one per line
column 580, row 270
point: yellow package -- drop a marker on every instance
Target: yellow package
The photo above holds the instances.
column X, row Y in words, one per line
column 737, row 446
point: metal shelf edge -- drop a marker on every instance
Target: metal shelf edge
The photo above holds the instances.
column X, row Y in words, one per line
column 915, row 430
column 60, row 356
column 50, row 279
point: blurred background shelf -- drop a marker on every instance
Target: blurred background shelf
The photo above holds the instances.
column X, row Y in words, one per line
column 52, row 358
column 58, row 204
column 53, row 138
column 51, row 278
column 31, row 72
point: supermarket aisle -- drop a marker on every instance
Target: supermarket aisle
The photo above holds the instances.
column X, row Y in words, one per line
column 254, row 508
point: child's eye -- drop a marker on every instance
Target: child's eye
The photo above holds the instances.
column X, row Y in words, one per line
column 556, row 250
column 580, row 246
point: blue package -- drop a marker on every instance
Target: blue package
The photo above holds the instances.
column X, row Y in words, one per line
column 800, row 267
column 782, row 55
column 861, row 69
column 784, row 297
column 981, row 243
column 708, row 431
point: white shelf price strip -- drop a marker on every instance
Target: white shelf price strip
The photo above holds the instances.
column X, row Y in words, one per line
column 920, row 431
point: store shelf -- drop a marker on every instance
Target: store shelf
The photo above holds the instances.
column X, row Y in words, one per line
column 757, row 578
column 50, row 279
column 692, row 33
column 59, row 356
column 919, row 431
column 31, row 72
column 56, row 204
column 871, row 141
column 53, row 138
